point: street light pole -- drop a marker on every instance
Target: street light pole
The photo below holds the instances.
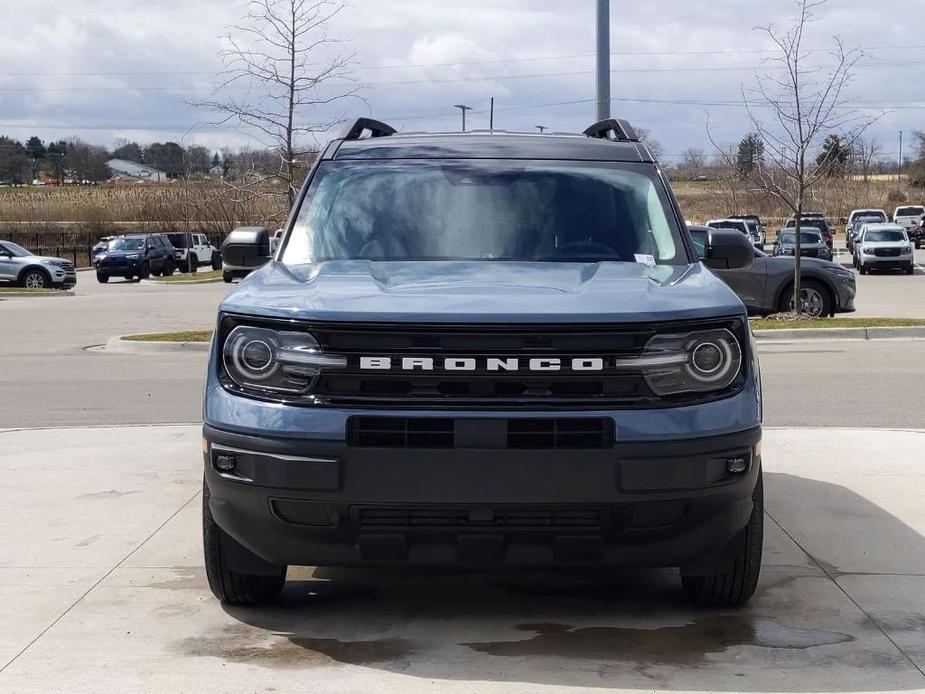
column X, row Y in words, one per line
column 541, row 128
column 463, row 108
column 603, row 59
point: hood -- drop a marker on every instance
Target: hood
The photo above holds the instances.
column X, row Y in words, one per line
column 40, row 258
column 884, row 244
column 487, row 291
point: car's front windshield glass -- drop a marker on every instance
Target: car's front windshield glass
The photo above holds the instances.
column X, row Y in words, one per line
column 805, row 237
column 127, row 245
column 734, row 225
column 883, row 235
column 485, row 210
column 15, row 250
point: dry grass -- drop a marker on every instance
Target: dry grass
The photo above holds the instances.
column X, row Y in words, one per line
column 186, row 336
column 704, row 200
column 191, row 277
column 809, row 323
column 210, row 207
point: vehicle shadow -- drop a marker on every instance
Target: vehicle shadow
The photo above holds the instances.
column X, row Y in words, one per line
column 597, row 629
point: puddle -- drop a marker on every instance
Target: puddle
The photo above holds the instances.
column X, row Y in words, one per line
column 237, row 644
column 686, row 645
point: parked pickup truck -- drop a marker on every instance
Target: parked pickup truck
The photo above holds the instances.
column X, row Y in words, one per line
column 909, row 216
column 484, row 350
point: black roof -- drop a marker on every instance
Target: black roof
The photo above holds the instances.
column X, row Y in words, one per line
column 607, row 140
column 490, row 145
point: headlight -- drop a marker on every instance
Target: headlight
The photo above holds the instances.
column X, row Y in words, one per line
column 906, row 249
column 866, row 250
column 260, row 359
column 133, row 256
column 55, row 263
column 694, row 362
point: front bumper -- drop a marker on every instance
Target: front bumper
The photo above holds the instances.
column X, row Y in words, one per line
column 310, row 501
column 880, row 262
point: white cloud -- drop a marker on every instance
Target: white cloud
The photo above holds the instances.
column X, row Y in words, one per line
column 171, row 47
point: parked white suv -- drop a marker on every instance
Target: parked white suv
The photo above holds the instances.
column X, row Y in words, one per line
column 883, row 246
column 202, row 251
column 908, row 216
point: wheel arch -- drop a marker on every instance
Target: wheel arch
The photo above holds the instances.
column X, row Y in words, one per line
column 34, row 266
column 787, row 288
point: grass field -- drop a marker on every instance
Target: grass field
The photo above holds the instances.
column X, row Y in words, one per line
column 187, row 277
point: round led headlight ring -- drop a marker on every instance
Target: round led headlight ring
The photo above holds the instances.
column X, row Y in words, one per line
column 707, row 358
column 714, row 360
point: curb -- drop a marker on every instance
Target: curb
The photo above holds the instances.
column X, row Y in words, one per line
column 162, row 283
column 120, row 346
column 912, row 332
column 36, row 295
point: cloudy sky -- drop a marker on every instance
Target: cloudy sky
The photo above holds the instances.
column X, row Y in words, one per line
column 108, row 69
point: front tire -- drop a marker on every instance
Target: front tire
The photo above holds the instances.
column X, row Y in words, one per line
column 35, row 279
column 862, row 268
column 145, row 272
column 735, row 583
column 216, row 261
column 230, row 587
column 101, row 278
column 910, row 270
column 227, row 276
column 193, row 264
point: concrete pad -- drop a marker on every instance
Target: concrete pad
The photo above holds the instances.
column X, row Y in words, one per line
column 149, row 624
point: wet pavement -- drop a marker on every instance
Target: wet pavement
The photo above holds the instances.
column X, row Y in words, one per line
column 102, row 590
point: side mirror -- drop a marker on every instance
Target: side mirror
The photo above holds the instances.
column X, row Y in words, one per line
column 843, row 220
column 246, row 248
column 728, row 250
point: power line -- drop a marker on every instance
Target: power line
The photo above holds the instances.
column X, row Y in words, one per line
column 500, row 61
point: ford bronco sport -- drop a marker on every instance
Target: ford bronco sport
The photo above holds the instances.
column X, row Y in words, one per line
column 484, row 350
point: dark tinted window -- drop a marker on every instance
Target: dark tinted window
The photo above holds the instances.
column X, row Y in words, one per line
column 910, row 212
column 808, row 237
column 485, row 210
column 177, row 240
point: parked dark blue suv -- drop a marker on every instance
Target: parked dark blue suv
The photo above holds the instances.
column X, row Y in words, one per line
column 484, row 350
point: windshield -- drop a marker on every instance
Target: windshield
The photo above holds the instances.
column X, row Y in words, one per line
column 861, row 221
column 875, row 215
column 730, row 224
column 879, row 235
column 485, row 210
column 811, row 222
column 127, row 245
column 910, row 211
column 177, row 240
column 16, row 251
column 806, row 237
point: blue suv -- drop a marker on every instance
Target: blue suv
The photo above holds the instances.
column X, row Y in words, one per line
column 483, row 350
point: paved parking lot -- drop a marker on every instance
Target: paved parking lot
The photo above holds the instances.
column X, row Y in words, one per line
column 103, row 590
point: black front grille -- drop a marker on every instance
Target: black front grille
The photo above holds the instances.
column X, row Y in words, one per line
column 886, row 252
column 482, row 386
column 480, row 518
column 520, row 433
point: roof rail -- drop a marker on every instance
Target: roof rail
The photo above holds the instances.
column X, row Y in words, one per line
column 353, row 130
column 613, row 129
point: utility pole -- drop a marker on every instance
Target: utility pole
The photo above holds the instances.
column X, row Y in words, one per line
column 491, row 116
column 463, row 108
column 900, row 177
column 541, row 128
column 603, row 59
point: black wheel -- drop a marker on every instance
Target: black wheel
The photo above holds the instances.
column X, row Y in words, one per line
column 35, row 279
column 193, row 264
column 862, row 268
column 101, row 278
column 910, row 270
column 736, row 583
column 815, row 299
column 227, row 276
column 216, row 261
column 167, row 270
column 917, row 244
column 145, row 272
column 229, row 586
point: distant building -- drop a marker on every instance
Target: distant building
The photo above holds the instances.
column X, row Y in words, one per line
column 218, row 171
column 133, row 171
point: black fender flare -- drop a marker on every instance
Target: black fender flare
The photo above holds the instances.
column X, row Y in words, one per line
column 41, row 269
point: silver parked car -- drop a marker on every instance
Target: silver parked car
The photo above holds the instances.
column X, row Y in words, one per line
column 22, row 267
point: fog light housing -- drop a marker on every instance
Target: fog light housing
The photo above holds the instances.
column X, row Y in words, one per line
column 736, row 465
column 225, row 463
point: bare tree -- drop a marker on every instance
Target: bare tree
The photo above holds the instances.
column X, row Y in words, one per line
column 288, row 67
column 793, row 110
column 693, row 162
